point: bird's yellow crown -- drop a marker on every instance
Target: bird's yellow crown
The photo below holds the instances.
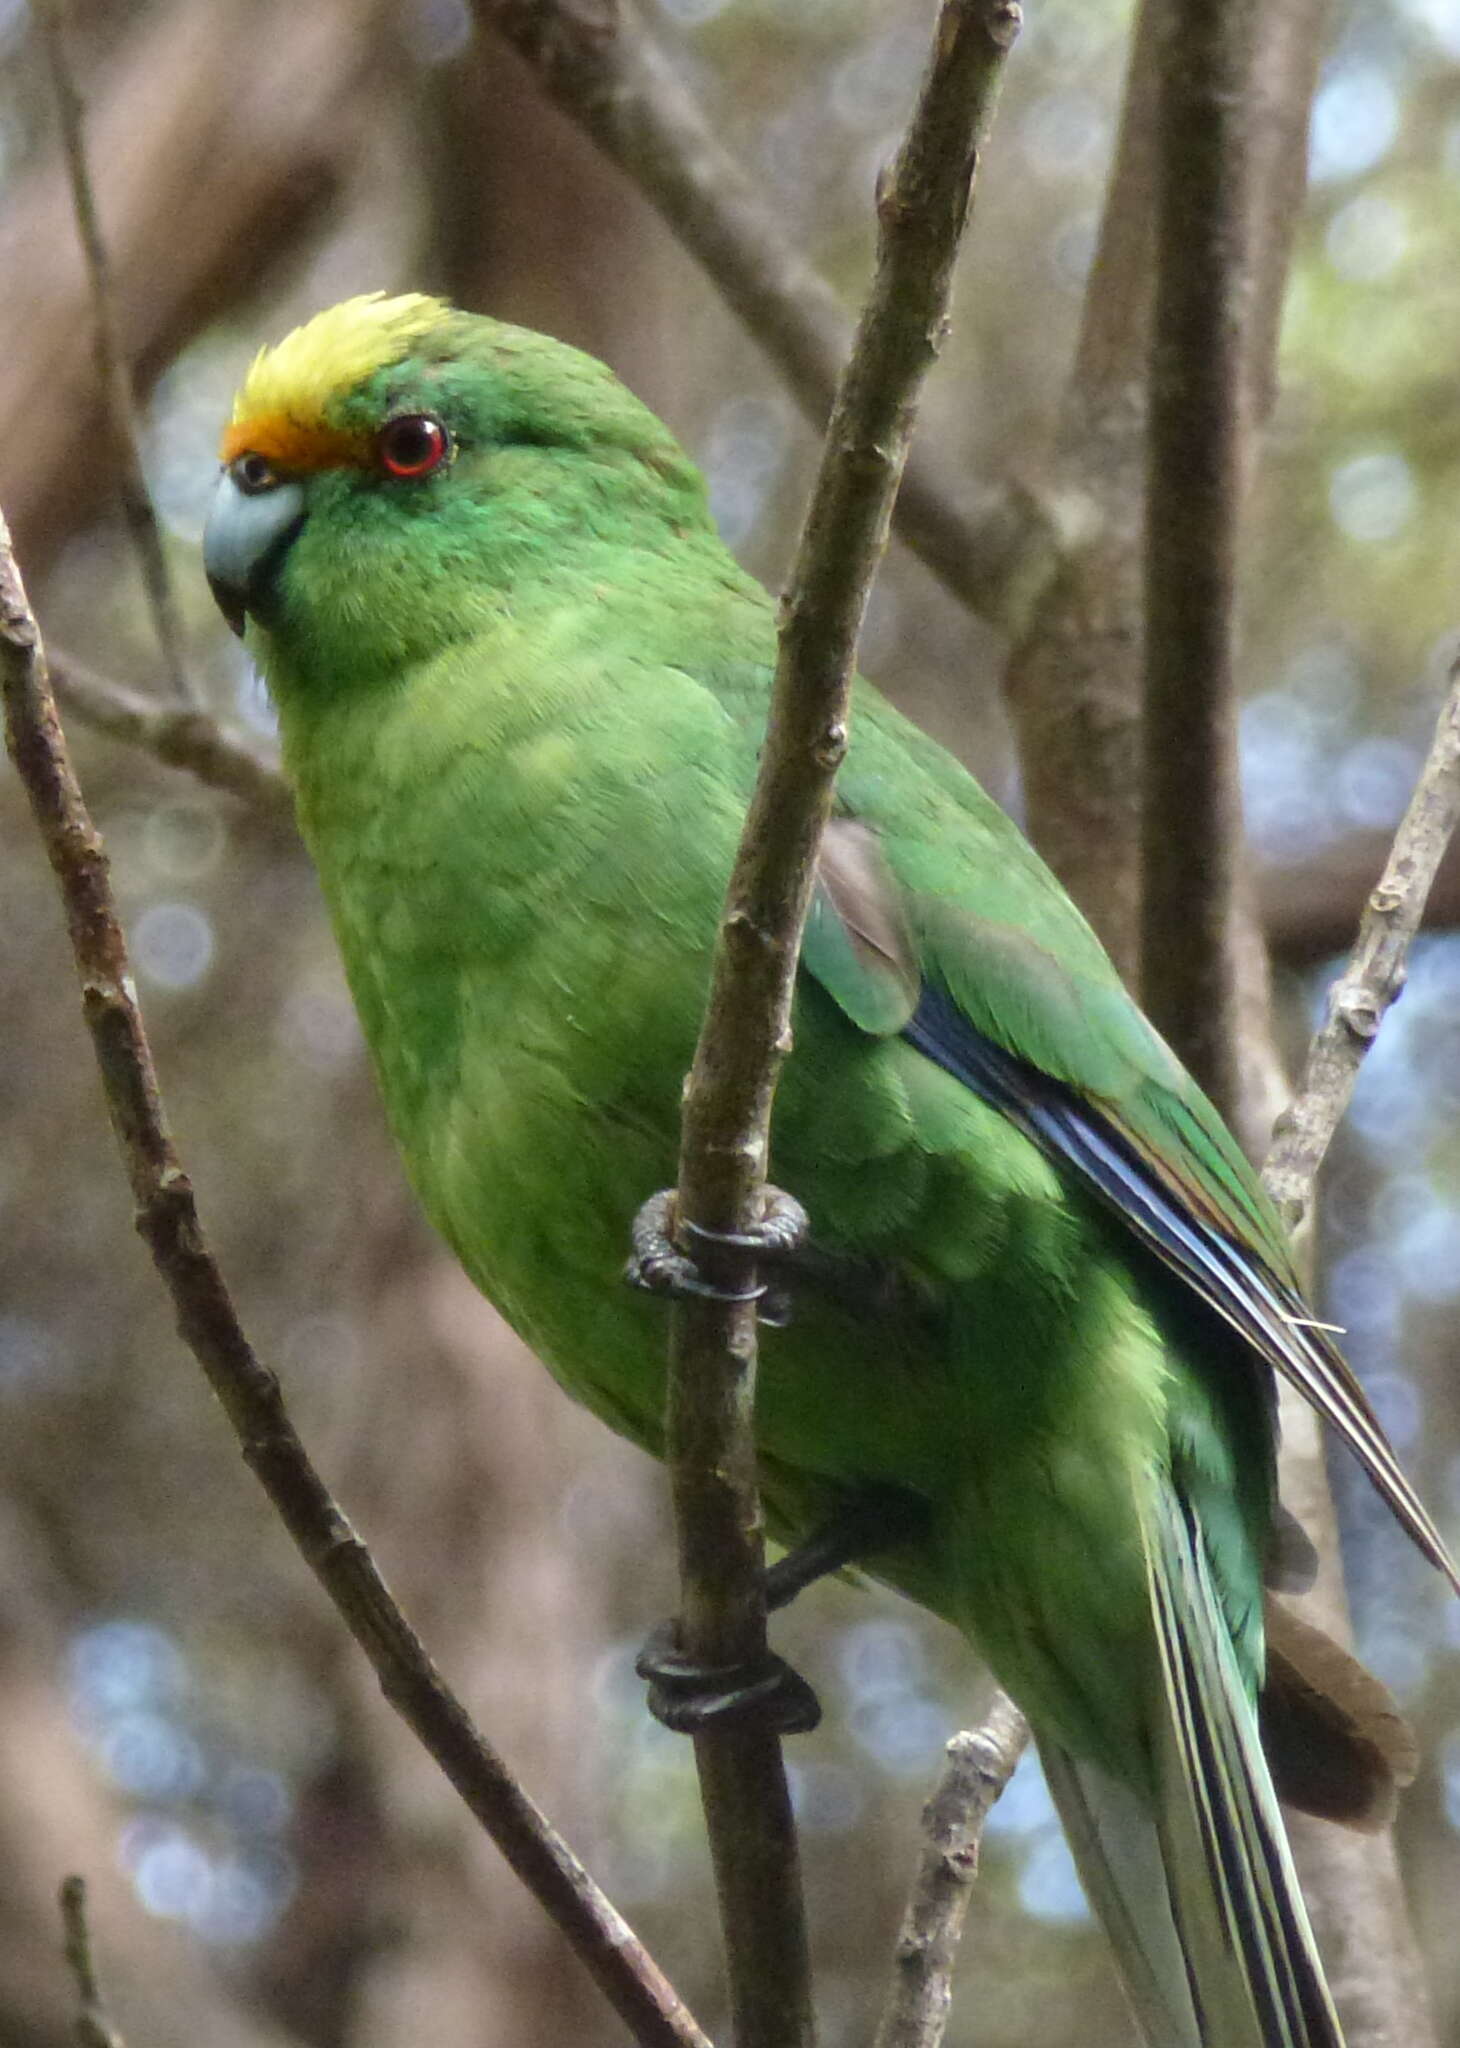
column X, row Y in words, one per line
column 280, row 408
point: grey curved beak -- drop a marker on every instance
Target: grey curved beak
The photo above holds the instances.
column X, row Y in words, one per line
column 245, row 539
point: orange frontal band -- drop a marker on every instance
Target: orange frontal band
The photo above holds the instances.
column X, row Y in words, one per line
column 291, row 444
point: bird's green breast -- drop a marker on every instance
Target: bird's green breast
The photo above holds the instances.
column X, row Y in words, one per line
column 501, row 843
column 524, row 845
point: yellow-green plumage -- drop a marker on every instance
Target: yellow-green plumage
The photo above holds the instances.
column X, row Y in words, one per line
column 521, row 696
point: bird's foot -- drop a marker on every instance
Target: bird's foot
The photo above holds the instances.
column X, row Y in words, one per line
column 659, row 1266
column 691, row 1697
column 879, row 1518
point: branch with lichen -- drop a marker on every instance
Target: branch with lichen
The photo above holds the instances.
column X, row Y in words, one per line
column 1352, row 1883
column 115, row 380
column 249, row 1391
column 992, row 545
column 922, row 209
column 1374, row 974
column 980, row 1763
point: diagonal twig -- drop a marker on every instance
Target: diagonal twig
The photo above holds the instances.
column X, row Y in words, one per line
column 922, row 209
column 1374, row 974
column 980, row 1764
column 249, row 1391
column 113, row 375
column 1352, row 1882
column 218, row 755
column 992, row 545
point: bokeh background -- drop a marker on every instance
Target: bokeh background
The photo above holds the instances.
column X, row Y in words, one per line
column 272, row 1864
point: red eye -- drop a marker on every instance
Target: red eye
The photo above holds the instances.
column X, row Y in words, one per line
column 412, row 445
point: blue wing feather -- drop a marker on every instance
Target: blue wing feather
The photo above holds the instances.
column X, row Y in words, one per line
column 1227, row 1275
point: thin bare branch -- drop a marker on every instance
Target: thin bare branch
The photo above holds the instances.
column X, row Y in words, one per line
column 249, row 1391
column 91, row 2028
column 216, row 754
column 922, row 209
column 980, row 1764
column 1194, row 476
column 111, row 365
column 1374, row 975
column 993, row 545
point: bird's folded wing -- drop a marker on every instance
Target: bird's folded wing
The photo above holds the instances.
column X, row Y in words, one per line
column 1068, row 1058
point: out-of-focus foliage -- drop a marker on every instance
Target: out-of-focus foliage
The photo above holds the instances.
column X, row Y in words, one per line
column 245, row 1784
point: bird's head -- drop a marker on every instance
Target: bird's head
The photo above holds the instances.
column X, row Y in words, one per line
column 395, row 469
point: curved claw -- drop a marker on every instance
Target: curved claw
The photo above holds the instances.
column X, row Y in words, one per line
column 690, row 1697
column 660, row 1267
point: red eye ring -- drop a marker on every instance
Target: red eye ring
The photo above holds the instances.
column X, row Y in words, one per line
column 412, row 445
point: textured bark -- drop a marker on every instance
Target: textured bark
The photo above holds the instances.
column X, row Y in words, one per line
column 1196, row 464
column 923, row 203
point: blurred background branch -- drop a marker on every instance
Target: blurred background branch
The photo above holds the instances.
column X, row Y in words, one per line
column 1196, row 459
column 220, row 756
column 91, row 2027
column 112, row 371
column 600, row 64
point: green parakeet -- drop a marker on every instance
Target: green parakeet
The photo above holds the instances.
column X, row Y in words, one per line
column 521, row 687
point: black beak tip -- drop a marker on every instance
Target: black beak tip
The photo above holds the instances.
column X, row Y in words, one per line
column 231, row 603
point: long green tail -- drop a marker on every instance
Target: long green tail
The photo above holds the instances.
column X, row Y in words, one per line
column 1199, row 1897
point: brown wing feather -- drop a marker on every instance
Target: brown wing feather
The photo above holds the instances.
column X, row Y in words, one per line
column 1336, row 1743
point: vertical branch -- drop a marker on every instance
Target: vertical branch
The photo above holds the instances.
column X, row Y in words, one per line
column 111, row 366
column 91, row 2028
column 1193, row 507
column 922, row 209
column 1072, row 682
column 1234, row 81
column 1074, row 676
